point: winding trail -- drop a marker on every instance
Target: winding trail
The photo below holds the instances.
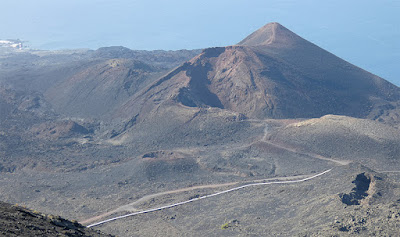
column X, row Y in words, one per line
column 208, row 196
column 281, row 180
column 315, row 156
column 265, row 140
column 388, row 171
column 265, row 132
column 131, row 206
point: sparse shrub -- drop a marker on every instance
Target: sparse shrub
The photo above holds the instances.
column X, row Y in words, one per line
column 230, row 223
column 225, row 226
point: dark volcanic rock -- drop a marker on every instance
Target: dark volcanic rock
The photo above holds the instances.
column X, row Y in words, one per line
column 362, row 183
column 19, row 221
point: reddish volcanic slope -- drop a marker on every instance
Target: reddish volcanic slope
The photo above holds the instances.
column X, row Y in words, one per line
column 273, row 73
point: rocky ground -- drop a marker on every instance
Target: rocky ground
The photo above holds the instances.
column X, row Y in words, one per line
column 19, row 221
column 313, row 208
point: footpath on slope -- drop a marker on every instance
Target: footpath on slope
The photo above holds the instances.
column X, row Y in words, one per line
column 209, row 196
column 130, row 206
column 264, row 139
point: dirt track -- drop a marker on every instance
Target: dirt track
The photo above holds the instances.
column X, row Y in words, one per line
column 131, row 206
column 210, row 195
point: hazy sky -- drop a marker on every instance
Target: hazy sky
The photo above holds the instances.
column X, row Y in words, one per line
column 363, row 32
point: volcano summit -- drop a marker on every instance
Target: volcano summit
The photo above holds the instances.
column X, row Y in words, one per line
column 273, row 73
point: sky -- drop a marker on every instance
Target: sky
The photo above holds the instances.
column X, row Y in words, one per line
column 365, row 33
